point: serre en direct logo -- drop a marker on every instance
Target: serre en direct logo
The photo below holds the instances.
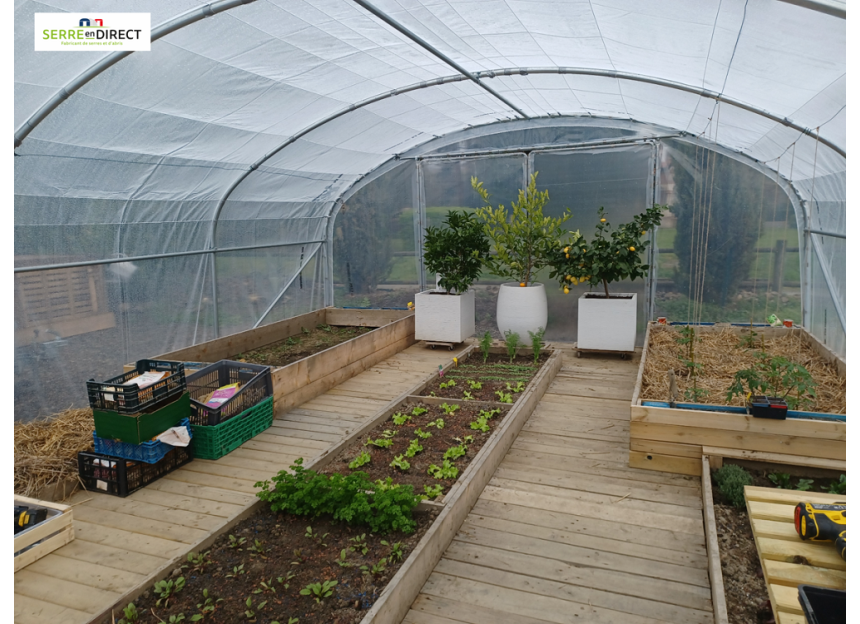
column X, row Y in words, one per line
column 103, row 31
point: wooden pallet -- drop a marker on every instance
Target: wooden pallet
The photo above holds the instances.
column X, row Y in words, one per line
column 45, row 537
column 771, row 513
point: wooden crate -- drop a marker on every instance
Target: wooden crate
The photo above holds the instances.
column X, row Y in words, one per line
column 45, row 537
column 57, row 304
column 672, row 440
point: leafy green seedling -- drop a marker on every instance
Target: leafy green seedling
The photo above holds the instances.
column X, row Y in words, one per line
column 199, row 561
column 258, row 549
column 319, row 590
column 537, row 342
column 341, row 561
column 237, row 571
column 449, row 409
column 249, row 608
column 504, row 397
column 300, row 558
column 165, row 589
column 401, row 419
column 486, row 341
column 362, row 459
column 805, row 484
column 400, row 462
column 438, row 423
column 423, row 434
column 475, row 385
column 130, row 614
column 418, row 410
column 381, row 443
column 388, row 433
column 325, row 328
column 454, row 452
column 236, row 543
column 466, row 439
column 480, row 425
column 512, row 343
column 488, row 414
column 265, row 586
column 467, row 396
column 306, row 331
column 388, row 484
column 446, row 471
column 447, row 384
column 176, row 618
column 780, row 479
column 431, row 492
column 414, row 448
column 359, row 543
column 208, row 605
column 376, row 569
column 515, row 389
column 836, row 487
column 396, row 553
column 316, row 537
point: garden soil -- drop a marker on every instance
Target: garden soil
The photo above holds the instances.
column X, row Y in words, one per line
column 300, row 346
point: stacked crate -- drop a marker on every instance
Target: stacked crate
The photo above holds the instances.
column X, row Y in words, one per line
column 127, row 419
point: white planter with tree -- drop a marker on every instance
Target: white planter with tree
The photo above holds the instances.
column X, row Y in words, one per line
column 456, row 251
column 607, row 322
column 522, row 241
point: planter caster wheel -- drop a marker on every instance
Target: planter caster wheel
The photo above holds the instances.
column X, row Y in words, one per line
column 433, row 347
column 623, row 356
column 451, row 348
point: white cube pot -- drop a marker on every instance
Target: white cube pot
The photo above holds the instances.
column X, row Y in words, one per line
column 607, row 324
column 521, row 309
column 440, row 317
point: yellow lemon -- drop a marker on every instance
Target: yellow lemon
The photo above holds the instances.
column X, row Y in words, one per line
column 522, row 284
column 603, row 220
column 643, row 232
column 566, row 249
column 566, row 290
column 567, row 255
column 632, row 249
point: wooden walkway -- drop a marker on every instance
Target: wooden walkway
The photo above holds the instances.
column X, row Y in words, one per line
column 567, row 532
column 119, row 543
column 780, row 549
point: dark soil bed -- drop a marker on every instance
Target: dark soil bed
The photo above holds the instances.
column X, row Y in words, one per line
column 456, row 428
column 300, row 346
column 498, row 374
column 747, row 599
column 286, row 551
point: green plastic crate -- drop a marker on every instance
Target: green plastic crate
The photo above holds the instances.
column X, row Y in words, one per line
column 140, row 428
column 214, row 442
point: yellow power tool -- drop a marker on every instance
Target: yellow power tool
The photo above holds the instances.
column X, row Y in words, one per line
column 821, row 523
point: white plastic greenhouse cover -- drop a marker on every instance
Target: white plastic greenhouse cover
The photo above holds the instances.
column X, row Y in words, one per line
column 248, row 121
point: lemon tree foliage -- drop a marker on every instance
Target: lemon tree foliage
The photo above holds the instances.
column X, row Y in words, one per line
column 456, row 251
column 523, row 239
column 353, row 499
column 610, row 256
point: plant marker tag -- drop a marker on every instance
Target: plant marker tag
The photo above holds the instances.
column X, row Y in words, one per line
column 440, row 370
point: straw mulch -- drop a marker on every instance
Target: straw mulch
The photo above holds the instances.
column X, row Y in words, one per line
column 721, row 357
column 46, row 450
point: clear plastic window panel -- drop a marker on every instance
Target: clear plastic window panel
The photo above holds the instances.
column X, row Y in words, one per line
column 728, row 250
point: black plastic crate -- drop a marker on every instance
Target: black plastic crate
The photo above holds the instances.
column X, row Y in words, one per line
column 257, row 386
column 113, row 396
column 822, row 605
column 120, row 477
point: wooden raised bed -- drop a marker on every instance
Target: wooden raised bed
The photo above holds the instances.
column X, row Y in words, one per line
column 402, row 589
column 672, row 439
column 312, row 376
column 47, row 536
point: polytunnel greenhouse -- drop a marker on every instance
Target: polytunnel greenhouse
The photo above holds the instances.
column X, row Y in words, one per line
column 288, row 227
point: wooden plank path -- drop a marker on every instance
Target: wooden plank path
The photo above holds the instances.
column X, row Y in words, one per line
column 567, row 532
column 787, row 561
column 119, row 543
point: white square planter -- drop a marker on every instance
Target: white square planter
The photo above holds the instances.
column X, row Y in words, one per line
column 607, row 324
column 440, row 317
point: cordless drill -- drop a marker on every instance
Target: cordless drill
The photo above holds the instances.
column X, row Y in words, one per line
column 821, row 523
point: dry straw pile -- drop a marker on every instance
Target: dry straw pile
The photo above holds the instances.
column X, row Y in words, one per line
column 46, row 450
column 721, row 357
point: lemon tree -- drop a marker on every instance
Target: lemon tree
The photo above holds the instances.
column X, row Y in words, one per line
column 523, row 239
column 610, row 256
